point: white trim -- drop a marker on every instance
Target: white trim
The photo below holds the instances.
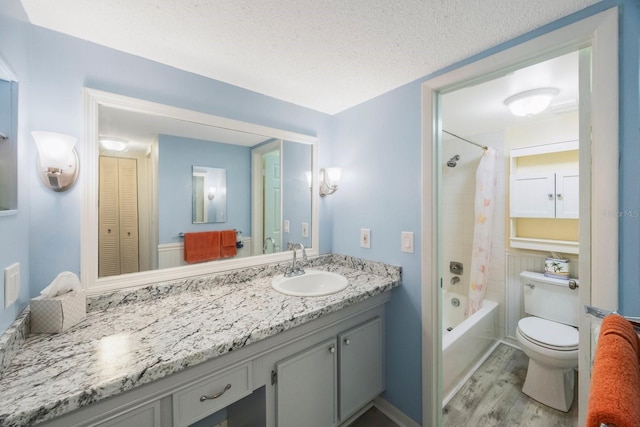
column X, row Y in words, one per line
column 89, row 231
column 393, row 413
column 600, row 32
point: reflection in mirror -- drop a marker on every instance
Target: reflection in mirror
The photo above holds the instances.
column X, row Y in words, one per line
column 169, row 150
column 209, row 188
column 8, row 139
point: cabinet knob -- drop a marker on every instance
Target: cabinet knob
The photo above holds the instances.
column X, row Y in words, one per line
column 128, row 233
column 215, row 396
column 108, row 230
column 347, row 341
column 550, row 196
column 559, row 196
column 332, row 349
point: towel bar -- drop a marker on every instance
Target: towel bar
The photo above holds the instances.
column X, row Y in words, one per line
column 181, row 234
column 601, row 313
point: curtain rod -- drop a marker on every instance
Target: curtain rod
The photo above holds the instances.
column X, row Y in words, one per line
column 484, row 147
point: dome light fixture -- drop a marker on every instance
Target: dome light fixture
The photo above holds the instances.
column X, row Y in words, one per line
column 113, row 144
column 530, row 102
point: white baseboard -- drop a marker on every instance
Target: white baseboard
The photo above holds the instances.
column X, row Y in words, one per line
column 393, row 413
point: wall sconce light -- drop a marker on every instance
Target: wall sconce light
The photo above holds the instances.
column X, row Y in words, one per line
column 211, row 193
column 113, row 144
column 57, row 159
column 530, row 102
column 329, row 180
column 309, row 182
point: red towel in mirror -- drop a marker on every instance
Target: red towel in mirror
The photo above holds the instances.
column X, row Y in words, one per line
column 200, row 247
column 614, row 396
column 228, row 244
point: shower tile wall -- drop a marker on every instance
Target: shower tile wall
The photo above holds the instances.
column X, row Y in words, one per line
column 458, row 215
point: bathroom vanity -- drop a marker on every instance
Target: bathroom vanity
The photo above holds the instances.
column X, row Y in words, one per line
column 172, row 354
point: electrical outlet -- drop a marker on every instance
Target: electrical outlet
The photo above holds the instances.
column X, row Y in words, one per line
column 11, row 284
column 407, row 241
column 305, row 229
column 286, row 226
column 365, row 238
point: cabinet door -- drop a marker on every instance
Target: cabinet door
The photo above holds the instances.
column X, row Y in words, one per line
column 532, row 196
column 307, row 387
column 361, row 369
column 567, row 195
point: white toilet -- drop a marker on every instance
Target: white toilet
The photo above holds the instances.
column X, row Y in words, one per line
column 550, row 339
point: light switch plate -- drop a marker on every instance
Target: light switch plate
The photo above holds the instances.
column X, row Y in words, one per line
column 365, row 238
column 286, row 226
column 11, row 284
column 305, row 229
column 407, row 241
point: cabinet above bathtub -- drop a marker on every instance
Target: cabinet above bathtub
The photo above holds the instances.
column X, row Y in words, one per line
column 544, row 201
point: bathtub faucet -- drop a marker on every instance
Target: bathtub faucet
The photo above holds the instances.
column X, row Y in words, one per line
column 295, row 270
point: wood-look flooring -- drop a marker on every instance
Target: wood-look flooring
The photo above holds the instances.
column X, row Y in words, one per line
column 493, row 397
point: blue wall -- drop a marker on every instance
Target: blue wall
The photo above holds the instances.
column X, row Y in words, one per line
column 175, row 161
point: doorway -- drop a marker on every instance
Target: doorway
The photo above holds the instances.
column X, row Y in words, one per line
column 598, row 185
column 266, row 189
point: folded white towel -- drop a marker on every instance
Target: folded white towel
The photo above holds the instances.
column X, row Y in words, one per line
column 63, row 283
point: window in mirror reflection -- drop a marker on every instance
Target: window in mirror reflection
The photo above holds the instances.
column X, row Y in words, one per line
column 209, row 195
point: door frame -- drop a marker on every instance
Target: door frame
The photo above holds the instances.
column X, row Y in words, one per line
column 599, row 282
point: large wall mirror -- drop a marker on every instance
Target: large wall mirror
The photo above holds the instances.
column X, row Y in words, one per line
column 153, row 172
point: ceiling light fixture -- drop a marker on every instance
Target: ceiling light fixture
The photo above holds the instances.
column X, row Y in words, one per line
column 113, row 144
column 530, row 102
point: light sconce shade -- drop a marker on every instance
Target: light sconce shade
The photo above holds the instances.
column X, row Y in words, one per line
column 530, row 102
column 211, row 194
column 113, row 144
column 57, row 159
column 329, row 180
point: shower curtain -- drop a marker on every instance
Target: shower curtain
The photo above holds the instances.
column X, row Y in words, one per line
column 485, row 200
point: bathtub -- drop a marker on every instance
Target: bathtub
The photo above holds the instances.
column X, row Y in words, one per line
column 465, row 342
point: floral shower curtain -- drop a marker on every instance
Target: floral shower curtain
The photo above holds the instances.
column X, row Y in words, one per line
column 486, row 180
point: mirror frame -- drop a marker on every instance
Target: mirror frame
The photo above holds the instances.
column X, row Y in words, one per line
column 93, row 284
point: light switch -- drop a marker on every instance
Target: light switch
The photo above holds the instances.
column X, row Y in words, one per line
column 286, row 226
column 407, row 241
column 11, row 284
column 305, row 229
column 365, row 238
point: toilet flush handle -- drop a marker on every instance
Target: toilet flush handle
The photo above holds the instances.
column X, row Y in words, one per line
column 573, row 284
column 531, row 285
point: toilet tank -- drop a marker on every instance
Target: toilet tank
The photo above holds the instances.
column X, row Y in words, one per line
column 550, row 298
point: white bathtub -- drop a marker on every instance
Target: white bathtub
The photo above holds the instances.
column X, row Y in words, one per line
column 467, row 343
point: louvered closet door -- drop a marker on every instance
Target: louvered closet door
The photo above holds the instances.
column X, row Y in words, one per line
column 128, row 199
column 118, row 217
column 108, row 218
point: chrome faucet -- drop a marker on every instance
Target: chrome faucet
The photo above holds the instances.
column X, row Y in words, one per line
column 265, row 246
column 294, row 270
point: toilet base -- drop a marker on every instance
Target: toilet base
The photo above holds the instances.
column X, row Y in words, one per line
column 553, row 387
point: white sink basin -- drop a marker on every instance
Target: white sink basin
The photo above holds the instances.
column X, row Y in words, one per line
column 312, row 283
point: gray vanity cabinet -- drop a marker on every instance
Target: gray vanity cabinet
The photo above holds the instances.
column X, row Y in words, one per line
column 327, row 383
column 308, row 387
column 361, row 368
column 143, row 416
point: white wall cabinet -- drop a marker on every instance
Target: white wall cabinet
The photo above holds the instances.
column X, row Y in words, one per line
column 545, row 195
column 327, row 383
column 544, row 184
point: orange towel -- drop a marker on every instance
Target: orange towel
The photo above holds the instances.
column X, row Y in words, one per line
column 228, row 244
column 614, row 397
column 199, row 247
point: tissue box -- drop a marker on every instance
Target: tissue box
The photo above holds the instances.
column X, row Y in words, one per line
column 57, row 314
column 557, row 268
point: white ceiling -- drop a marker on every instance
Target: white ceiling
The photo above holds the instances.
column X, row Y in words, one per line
column 325, row 55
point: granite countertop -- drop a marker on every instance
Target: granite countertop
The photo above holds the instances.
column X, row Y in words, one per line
column 132, row 338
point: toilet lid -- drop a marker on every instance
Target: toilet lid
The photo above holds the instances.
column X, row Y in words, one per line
column 549, row 334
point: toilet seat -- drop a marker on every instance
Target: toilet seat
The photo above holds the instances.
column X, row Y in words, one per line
column 549, row 334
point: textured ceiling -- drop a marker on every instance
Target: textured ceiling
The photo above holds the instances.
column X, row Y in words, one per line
column 327, row 55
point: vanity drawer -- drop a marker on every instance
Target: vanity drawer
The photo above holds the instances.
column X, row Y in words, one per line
column 213, row 393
